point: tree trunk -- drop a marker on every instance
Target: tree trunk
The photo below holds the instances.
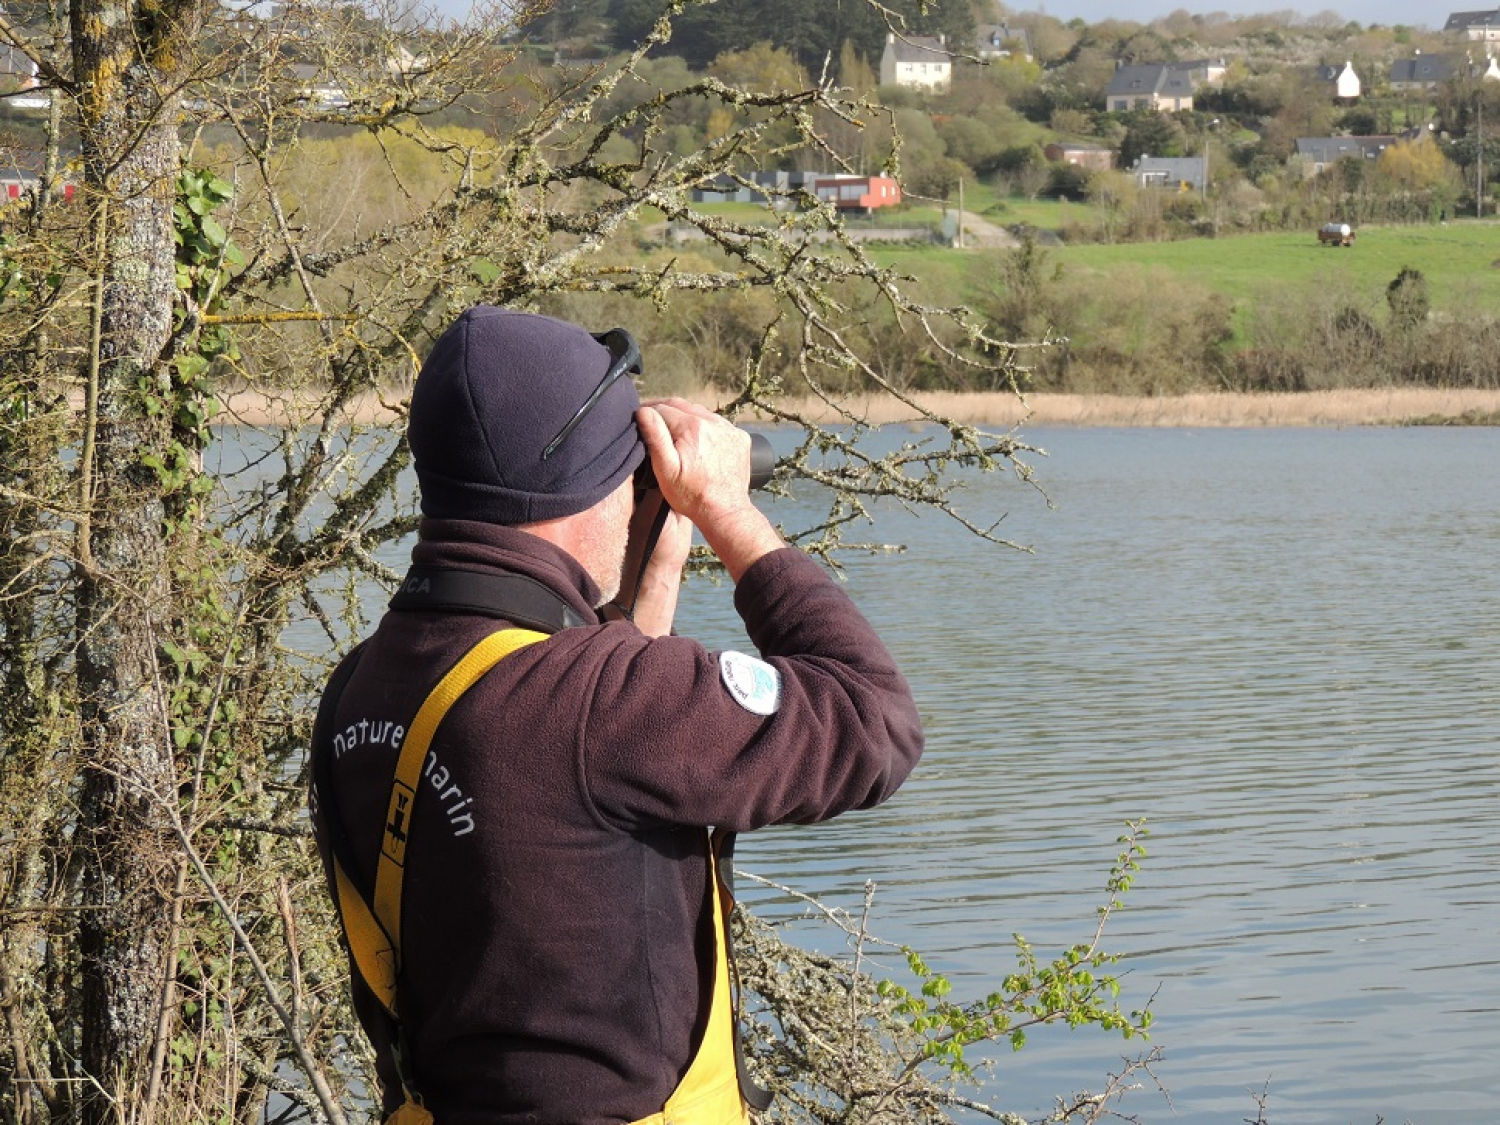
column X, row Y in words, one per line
column 123, row 57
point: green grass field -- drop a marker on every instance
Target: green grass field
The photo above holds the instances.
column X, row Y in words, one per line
column 1461, row 262
column 1044, row 214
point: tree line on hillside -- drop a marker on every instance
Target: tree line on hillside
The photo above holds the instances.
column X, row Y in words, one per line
column 812, row 33
column 994, row 121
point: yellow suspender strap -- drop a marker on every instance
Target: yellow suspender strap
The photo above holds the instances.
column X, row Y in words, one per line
column 710, row 1092
column 375, row 936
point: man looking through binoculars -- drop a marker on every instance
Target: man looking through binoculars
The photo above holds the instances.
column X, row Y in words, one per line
column 515, row 776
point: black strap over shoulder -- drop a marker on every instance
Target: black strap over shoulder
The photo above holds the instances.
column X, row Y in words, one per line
column 509, row 597
column 322, row 759
column 757, row 1097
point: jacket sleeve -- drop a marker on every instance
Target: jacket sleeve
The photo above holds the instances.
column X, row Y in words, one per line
column 666, row 740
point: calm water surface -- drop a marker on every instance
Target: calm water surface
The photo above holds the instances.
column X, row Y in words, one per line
column 1282, row 648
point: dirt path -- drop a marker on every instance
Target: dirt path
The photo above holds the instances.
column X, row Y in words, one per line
column 981, row 234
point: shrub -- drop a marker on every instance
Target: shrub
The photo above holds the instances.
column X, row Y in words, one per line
column 1147, row 334
column 1408, row 299
column 1068, row 181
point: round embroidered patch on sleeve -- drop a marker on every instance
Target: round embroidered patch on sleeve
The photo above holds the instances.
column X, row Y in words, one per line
column 755, row 685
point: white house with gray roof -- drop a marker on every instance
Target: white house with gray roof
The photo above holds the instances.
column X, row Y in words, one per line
column 1158, row 86
column 1204, row 72
column 1484, row 26
column 917, row 61
column 1426, row 72
column 1340, row 80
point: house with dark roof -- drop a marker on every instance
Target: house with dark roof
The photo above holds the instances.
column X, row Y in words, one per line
column 858, row 193
column 1341, row 80
column 1204, row 72
column 778, row 188
column 1001, row 41
column 1158, row 86
column 1178, row 173
column 782, row 189
column 1318, row 153
column 917, row 61
column 1426, row 72
column 1423, row 72
column 19, row 172
column 1484, row 26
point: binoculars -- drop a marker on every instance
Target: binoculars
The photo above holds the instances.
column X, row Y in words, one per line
column 762, row 461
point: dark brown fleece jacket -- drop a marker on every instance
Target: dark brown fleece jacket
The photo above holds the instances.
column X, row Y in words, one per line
column 556, row 916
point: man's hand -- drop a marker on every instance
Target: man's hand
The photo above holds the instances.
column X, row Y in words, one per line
column 702, row 466
column 702, row 462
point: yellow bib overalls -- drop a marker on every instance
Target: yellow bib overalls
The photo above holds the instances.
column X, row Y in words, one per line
column 709, row 1093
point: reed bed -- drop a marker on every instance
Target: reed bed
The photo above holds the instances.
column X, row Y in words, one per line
column 1378, row 407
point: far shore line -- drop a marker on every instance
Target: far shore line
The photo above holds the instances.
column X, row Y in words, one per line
column 1378, row 407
